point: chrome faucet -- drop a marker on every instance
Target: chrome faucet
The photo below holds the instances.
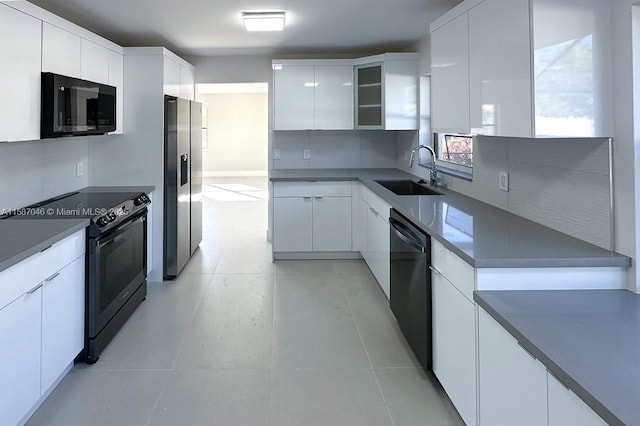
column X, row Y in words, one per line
column 433, row 181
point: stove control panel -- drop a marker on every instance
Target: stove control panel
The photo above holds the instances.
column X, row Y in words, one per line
column 141, row 199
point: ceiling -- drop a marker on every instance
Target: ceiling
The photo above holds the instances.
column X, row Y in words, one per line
column 214, row 27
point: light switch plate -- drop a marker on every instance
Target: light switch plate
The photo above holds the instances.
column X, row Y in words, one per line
column 503, row 181
column 79, row 168
column 306, row 154
column 276, row 154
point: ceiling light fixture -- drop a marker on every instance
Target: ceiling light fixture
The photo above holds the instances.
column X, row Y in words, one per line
column 263, row 21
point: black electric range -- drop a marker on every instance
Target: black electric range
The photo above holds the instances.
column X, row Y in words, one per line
column 116, row 256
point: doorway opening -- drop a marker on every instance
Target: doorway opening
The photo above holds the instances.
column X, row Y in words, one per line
column 235, row 137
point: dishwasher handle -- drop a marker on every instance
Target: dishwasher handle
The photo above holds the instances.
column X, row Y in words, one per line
column 397, row 229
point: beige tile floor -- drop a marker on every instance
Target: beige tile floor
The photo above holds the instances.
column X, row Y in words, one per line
column 239, row 340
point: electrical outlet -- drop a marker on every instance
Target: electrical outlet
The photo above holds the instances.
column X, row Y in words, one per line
column 306, row 154
column 79, row 168
column 276, row 154
column 503, row 181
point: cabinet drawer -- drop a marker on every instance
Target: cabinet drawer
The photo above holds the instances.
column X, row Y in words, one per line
column 365, row 193
column 380, row 206
column 311, row 189
column 565, row 408
column 24, row 275
column 456, row 270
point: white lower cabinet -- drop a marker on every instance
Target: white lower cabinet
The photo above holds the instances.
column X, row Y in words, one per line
column 331, row 229
column 513, row 384
column 374, row 223
column 454, row 345
column 517, row 389
column 41, row 324
column 62, row 320
column 312, row 217
column 381, row 251
column 20, row 326
column 292, row 224
column 565, row 408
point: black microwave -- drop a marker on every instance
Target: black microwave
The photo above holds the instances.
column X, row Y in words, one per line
column 74, row 107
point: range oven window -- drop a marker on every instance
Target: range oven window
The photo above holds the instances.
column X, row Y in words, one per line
column 121, row 260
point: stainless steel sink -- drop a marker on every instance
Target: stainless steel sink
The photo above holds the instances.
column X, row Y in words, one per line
column 406, row 187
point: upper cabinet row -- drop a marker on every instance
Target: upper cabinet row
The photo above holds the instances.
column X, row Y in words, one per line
column 34, row 46
column 380, row 92
column 178, row 79
column 515, row 68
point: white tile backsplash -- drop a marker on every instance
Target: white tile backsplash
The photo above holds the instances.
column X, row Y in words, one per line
column 335, row 149
column 37, row 170
column 560, row 183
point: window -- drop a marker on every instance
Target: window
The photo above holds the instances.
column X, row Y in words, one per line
column 455, row 154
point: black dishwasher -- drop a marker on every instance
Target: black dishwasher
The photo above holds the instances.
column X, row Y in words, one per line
column 410, row 295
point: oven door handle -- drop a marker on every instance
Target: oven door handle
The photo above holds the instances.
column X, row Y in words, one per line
column 119, row 235
column 406, row 239
column 110, row 241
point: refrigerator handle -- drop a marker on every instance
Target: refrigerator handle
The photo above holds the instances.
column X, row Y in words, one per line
column 184, row 169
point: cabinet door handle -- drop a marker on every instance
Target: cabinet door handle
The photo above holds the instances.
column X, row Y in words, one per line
column 527, row 351
column 46, row 248
column 52, row 277
column 434, row 270
column 36, row 288
column 372, row 210
column 306, row 198
column 559, row 381
column 318, row 198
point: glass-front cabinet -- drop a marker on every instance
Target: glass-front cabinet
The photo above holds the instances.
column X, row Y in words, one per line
column 369, row 96
column 387, row 92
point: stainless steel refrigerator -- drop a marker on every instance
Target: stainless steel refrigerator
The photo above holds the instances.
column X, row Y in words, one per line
column 182, row 183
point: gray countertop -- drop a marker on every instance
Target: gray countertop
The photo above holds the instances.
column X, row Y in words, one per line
column 588, row 339
column 22, row 237
column 146, row 189
column 482, row 235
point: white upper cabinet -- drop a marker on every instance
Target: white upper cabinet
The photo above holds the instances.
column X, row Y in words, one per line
column 94, row 62
column 333, row 103
column 523, row 68
column 61, row 51
column 387, row 92
column 187, row 83
column 171, row 77
column 500, row 68
column 116, row 79
column 450, row 76
column 572, row 67
column 20, row 44
column 294, row 97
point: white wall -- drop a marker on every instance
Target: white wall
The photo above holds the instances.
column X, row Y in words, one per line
column 237, row 134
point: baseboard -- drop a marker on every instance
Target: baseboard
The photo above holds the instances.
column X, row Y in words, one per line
column 321, row 255
column 236, row 173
